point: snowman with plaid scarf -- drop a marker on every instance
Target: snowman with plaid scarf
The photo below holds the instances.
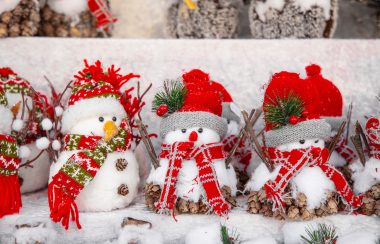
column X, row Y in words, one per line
column 192, row 160
column 97, row 169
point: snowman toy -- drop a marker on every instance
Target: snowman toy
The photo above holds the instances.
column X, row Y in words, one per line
column 295, row 147
column 243, row 160
column 331, row 109
column 192, row 167
column 20, row 96
column 10, row 196
column 97, row 169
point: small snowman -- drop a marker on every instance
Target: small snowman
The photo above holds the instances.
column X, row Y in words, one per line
column 366, row 174
column 10, row 196
column 192, row 176
column 97, row 169
column 243, row 160
column 76, row 18
column 331, row 109
column 20, row 97
column 295, row 138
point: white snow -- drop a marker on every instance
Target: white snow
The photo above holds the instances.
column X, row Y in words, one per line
column 46, row 124
column 56, row 145
column 6, row 120
column 337, row 160
column 17, row 125
column 7, row 5
column 362, row 237
column 205, row 234
column 139, row 234
column 365, row 177
column 70, row 8
column 35, row 234
column 58, row 111
column 263, row 6
column 260, row 176
column 24, row 152
column 305, row 5
column 42, row 143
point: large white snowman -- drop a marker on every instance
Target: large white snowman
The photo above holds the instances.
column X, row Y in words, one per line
column 93, row 117
column 18, row 91
column 295, row 145
column 192, row 161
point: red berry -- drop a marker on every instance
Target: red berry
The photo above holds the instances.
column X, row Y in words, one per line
column 162, row 110
column 293, row 120
column 305, row 113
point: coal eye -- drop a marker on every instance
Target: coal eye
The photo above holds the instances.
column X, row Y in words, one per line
column 114, row 119
column 200, row 130
column 228, row 121
column 101, row 119
column 183, row 130
column 302, row 141
column 316, row 141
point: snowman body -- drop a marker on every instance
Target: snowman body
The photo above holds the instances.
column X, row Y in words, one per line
column 103, row 192
column 36, row 177
column 366, row 176
column 188, row 185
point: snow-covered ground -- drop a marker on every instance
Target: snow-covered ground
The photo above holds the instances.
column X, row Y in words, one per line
column 243, row 66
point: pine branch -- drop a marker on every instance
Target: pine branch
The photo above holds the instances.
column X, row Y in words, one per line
column 173, row 96
column 324, row 234
column 227, row 237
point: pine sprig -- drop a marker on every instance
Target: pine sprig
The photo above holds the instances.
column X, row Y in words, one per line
column 173, row 96
column 279, row 110
column 227, row 237
column 324, row 234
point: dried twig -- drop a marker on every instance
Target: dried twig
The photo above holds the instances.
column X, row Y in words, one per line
column 335, row 140
column 148, row 144
column 359, row 130
column 29, row 162
column 349, row 116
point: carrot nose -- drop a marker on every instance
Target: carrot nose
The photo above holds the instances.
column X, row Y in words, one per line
column 193, row 136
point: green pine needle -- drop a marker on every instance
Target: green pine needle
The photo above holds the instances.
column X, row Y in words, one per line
column 324, row 234
column 227, row 237
column 279, row 110
column 173, row 95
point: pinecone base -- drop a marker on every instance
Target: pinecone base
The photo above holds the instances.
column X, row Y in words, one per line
column 371, row 201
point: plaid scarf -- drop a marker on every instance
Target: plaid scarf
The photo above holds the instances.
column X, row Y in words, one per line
column 79, row 170
column 10, row 196
column 291, row 163
column 242, row 154
column 99, row 8
column 345, row 151
column 372, row 128
column 204, row 156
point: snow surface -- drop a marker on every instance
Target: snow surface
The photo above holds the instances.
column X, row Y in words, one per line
column 70, row 8
column 243, row 66
column 365, row 177
column 7, row 5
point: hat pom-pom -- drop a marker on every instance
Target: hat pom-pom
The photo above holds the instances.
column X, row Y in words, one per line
column 313, row 70
column 162, row 110
column 5, row 72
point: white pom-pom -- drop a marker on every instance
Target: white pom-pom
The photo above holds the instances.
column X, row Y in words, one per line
column 58, row 110
column 24, row 152
column 56, row 145
column 17, row 125
column 46, row 124
column 42, row 143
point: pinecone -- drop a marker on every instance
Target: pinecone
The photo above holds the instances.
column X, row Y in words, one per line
column 121, row 164
column 291, row 22
column 243, row 178
column 60, row 25
column 23, row 20
column 123, row 190
column 211, row 19
column 371, row 201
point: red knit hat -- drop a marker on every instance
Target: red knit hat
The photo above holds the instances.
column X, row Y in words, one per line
column 331, row 100
column 95, row 92
column 291, row 110
column 201, row 105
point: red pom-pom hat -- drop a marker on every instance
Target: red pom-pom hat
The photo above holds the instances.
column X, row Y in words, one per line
column 331, row 100
column 308, row 125
column 96, row 92
column 202, row 106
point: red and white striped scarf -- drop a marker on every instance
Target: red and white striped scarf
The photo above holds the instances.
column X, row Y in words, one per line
column 344, row 150
column 102, row 13
column 372, row 128
column 242, row 154
column 204, row 156
column 291, row 163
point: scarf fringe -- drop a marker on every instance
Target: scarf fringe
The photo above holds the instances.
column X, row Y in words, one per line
column 10, row 195
column 62, row 206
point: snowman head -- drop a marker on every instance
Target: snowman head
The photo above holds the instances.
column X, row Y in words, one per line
column 191, row 110
column 6, row 115
column 95, row 107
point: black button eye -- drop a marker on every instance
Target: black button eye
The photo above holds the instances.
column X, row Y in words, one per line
column 302, row 141
column 114, row 119
column 183, row 130
column 228, row 121
column 200, row 130
column 101, row 119
column 316, row 141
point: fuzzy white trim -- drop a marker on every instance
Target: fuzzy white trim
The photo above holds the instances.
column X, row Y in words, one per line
column 91, row 107
column 6, row 118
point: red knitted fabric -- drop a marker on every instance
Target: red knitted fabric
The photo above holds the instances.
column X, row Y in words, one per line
column 291, row 163
column 344, row 150
column 204, row 156
column 102, row 13
column 372, row 128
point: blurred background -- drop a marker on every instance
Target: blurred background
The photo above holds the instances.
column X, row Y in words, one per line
column 260, row 19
